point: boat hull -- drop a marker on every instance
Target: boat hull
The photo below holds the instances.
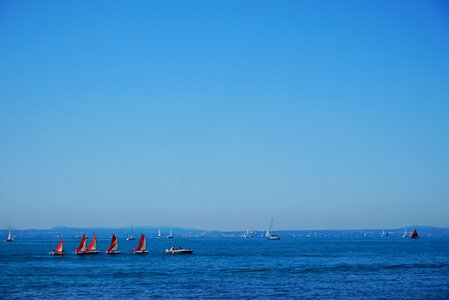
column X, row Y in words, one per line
column 112, row 252
column 8, row 241
column 57, row 253
column 179, row 251
column 140, row 251
column 87, row 252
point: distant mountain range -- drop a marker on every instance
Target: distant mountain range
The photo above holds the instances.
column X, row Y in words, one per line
column 152, row 231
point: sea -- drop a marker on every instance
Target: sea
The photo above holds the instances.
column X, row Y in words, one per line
column 240, row 268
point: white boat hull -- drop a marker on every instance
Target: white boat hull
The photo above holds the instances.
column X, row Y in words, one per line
column 179, row 251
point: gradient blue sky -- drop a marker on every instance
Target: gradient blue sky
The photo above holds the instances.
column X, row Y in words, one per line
column 221, row 114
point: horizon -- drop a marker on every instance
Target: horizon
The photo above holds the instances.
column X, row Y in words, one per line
column 168, row 227
column 221, row 115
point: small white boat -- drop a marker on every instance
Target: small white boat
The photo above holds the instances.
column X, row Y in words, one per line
column 173, row 250
column 159, row 234
column 405, row 233
column 384, row 234
column 131, row 237
column 248, row 234
column 113, row 248
column 10, row 237
column 59, row 251
column 269, row 235
column 170, row 236
column 142, row 247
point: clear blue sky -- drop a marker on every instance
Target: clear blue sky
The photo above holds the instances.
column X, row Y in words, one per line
column 222, row 114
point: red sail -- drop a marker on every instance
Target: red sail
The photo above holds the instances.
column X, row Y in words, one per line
column 414, row 234
column 59, row 248
column 142, row 240
column 82, row 244
column 113, row 243
column 93, row 243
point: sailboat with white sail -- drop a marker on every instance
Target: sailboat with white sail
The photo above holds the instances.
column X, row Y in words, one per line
column 404, row 235
column 269, row 235
column 131, row 237
column 10, row 238
column 159, row 234
column 170, row 236
column 248, row 234
column 142, row 247
column 59, row 251
column 113, row 248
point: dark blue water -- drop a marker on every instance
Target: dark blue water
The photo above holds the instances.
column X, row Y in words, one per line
column 370, row 268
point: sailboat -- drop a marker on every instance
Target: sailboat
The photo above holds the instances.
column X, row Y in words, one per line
column 384, row 234
column 414, row 234
column 59, row 251
column 170, row 236
column 10, row 237
column 131, row 237
column 159, row 234
column 91, row 249
column 405, row 233
column 269, row 235
column 113, row 248
column 82, row 247
column 142, row 247
column 247, row 234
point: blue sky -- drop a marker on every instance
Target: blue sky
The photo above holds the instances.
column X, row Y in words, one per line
column 222, row 114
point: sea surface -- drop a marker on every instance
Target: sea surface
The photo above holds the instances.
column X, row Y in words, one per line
column 307, row 268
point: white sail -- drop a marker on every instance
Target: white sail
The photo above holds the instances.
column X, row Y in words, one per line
column 115, row 247
column 84, row 246
column 144, row 244
column 270, row 228
column 159, row 233
column 9, row 234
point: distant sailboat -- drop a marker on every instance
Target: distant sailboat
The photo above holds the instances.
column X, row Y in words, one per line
column 59, row 251
column 91, row 249
column 10, row 237
column 384, row 234
column 170, row 236
column 405, row 233
column 142, row 247
column 269, row 235
column 82, row 247
column 113, row 248
column 159, row 234
column 131, row 237
column 414, row 234
column 248, row 234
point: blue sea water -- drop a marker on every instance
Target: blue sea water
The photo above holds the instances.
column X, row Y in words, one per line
column 314, row 268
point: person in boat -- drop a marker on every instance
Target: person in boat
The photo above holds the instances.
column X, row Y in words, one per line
column 180, row 247
column 173, row 248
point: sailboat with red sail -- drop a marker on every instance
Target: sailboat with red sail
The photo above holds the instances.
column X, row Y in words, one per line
column 142, row 247
column 91, row 249
column 414, row 234
column 82, row 247
column 113, row 248
column 59, row 251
